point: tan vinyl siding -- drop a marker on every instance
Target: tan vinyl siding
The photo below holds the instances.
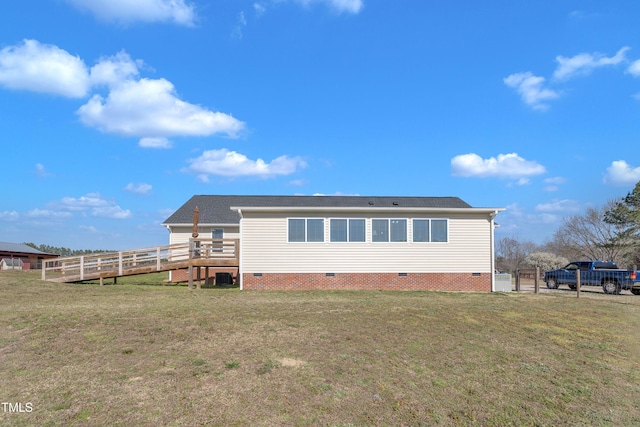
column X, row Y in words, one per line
column 265, row 248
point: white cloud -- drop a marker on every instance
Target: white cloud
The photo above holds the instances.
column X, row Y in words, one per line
column 89, row 228
column 150, row 108
column 47, row 213
column 562, row 206
column 82, row 203
column 530, row 88
column 621, row 173
column 141, row 188
column 237, row 31
column 259, row 8
column 504, row 166
column 584, row 63
column 126, row 11
column 9, row 216
column 138, row 107
column 113, row 212
column 553, row 183
column 555, row 180
column 348, row 6
column 93, row 203
column 41, row 172
column 43, row 68
column 155, row 143
column 232, row 164
column 634, row 68
column 112, row 71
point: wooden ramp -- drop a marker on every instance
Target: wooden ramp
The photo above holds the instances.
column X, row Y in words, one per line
column 194, row 253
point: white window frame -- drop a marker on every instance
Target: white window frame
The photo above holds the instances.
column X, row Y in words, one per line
column 348, row 230
column 306, row 230
column 388, row 220
column 430, row 237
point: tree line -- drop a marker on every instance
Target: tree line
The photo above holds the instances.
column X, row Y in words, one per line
column 63, row 252
column 610, row 233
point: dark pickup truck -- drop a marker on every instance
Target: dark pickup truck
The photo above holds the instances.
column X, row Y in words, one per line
column 595, row 273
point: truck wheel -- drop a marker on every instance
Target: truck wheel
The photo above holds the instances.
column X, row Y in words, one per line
column 635, row 291
column 611, row 287
column 573, row 287
column 551, row 283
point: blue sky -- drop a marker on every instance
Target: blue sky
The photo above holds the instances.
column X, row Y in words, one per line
column 114, row 112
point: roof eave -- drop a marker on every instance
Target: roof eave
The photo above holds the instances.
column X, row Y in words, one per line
column 361, row 208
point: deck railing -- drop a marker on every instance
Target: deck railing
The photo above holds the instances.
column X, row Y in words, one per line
column 198, row 252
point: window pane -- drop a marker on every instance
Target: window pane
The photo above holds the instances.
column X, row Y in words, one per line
column 356, row 230
column 217, row 233
column 398, row 230
column 315, row 230
column 438, row 230
column 338, row 230
column 420, row 230
column 380, row 230
column 296, row 230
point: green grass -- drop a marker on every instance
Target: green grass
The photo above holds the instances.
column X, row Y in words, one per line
column 146, row 353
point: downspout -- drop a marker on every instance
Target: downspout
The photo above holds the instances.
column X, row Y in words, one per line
column 492, row 217
column 239, row 248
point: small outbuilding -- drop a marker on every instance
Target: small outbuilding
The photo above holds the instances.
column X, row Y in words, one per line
column 17, row 256
column 348, row 242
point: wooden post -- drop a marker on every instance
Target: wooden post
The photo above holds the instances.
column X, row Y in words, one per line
column 82, row 267
column 101, row 281
column 198, row 275
column 518, row 280
column 190, row 273
column 578, row 283
column 536, row 280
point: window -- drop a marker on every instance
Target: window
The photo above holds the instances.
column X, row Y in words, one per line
column 430, row 230
column 338, row 230
column 398, row 230
column 306, row 230
column 315, row 230
column 217, row 234
column 351, row 230
column 420, row 230
column 297, row 230
column 380, row 230
column 439, row 230
column 356, row 230
column 389, row 230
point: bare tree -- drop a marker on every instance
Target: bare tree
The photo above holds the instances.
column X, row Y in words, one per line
column 588, row 236
column 511, row 253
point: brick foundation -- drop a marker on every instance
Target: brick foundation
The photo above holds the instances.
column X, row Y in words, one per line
column 476, row 282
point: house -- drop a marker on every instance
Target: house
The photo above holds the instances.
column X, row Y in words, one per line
column 30, row 258
column 347, row 242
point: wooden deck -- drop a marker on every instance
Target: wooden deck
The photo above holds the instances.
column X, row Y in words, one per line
column 195, row 253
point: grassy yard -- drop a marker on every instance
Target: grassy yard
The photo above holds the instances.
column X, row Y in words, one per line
column 145, row 353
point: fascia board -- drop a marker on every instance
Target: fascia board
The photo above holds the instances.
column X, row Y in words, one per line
column 362, row 209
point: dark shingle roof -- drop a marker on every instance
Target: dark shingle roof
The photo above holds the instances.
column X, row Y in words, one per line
column 19, row 248
column 216, row 209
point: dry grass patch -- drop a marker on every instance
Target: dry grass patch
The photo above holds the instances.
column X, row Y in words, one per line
column 150, row 354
